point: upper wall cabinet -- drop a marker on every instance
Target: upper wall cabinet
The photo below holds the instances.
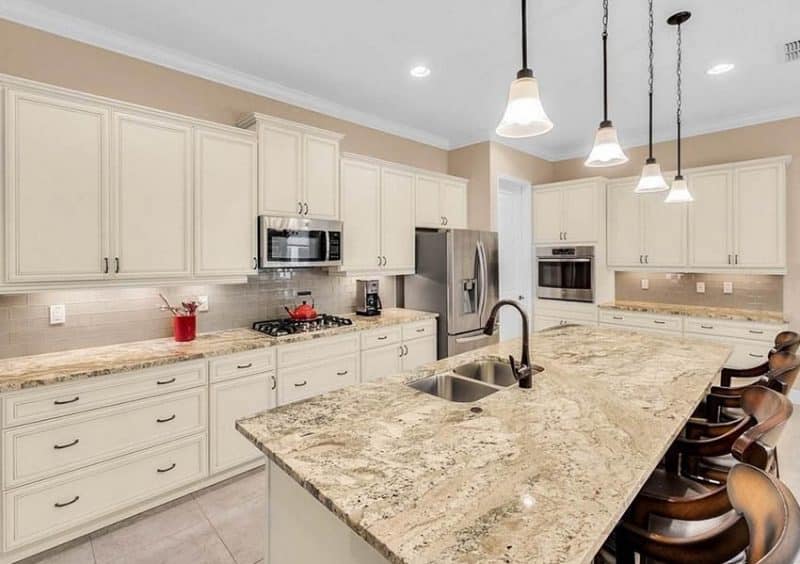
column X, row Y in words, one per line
column 298, row 171
column 568, row 212
column 225, row 201
column 441, row 202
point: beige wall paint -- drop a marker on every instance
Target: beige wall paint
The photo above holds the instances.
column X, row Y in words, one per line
column 473, row 162
column 41, row 56
column 758, row 141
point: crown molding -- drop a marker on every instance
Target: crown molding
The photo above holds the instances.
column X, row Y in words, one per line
column 32, row 15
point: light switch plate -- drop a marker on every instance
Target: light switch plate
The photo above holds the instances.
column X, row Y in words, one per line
column 701, row 287
column 727, row 287
column 645, row 284
column 202, row 303
column 58, row 314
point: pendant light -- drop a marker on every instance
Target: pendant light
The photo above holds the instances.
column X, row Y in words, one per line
column 679, row 192
column 606, row 151
column 524, row 115
column 651, row 180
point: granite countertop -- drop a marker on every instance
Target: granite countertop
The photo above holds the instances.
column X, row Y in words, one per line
column 539, row 475
column 729, row 313
column 53, row 368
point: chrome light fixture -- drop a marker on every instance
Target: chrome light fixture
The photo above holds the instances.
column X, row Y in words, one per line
column 679, row 192
column 524, row 115
column 651, row 180
column 606, row 151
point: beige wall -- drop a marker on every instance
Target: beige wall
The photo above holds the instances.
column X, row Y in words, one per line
column 41, row 56
column 757, row 141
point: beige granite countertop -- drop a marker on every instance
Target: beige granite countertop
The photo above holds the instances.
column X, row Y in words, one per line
column 53, row 368
column 729, row 313
column 539, row 475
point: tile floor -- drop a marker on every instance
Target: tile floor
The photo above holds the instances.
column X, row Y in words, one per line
column 222, row 524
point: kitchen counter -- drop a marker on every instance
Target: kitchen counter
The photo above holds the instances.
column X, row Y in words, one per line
column 53, row 368
column 732, row 314
column 539, row 475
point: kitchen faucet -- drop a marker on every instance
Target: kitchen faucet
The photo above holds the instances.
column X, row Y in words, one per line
column 523, row 373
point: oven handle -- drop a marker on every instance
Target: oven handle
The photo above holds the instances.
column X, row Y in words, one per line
column 564, row 259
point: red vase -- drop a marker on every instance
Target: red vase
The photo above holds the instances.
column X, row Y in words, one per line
column 184, row 327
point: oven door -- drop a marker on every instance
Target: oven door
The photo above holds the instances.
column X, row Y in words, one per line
column 291, row 243
column 565, row 279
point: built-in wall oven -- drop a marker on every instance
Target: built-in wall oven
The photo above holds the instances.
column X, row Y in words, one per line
column 565, row 273
column 289, row 242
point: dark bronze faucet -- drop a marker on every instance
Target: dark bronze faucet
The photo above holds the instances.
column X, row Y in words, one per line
column 524, row 372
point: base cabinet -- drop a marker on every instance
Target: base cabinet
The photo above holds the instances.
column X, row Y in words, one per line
column 418, row 352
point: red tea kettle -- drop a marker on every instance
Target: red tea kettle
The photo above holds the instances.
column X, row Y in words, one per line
column 303, row 312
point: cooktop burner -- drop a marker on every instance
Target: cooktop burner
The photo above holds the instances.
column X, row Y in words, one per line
column 285, row 326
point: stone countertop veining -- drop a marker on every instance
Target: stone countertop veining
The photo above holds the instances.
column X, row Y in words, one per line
column 729, row 313
column 539, row 475
column 57, row 367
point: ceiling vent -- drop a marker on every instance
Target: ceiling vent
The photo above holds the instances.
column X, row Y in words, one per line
column 792, row 51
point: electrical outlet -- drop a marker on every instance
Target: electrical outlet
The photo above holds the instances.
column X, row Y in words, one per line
column 58, row 314
column 727, row 287
column 202, row 303
column 645, row 284
column 701, row 287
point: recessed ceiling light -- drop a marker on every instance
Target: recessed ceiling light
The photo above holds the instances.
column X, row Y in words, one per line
column 721, row 68
column 420, row 71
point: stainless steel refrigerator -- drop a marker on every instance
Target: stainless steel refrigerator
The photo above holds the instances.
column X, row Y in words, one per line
column 456, row 277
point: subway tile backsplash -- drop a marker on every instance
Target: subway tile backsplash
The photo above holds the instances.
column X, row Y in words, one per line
column 750, row 291
column 105, row 316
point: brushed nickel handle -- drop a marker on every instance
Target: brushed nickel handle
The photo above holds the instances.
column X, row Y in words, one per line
column 73, row 443
column 446, row 221
column 255, row 263
column 342, row 373
column 274, row 382
column 300, row 208
column 421, row 330
column 754, row 355
column 243, row 366
column 166, row 420
column 164, row 382
column 756, row 332
column 659, row 322
column 400, row 351
column 70, row 502
column 647, row 259
column 441, row 219
column 116, row 265
column 105, row 260
column 167, row 469
column 706, row 327
column 617, row 317
column 65, row 402
column 383, row 337
column 737, row 259
column 301, row 384
column 379, row 260
column 305, row 208
column 406, row 349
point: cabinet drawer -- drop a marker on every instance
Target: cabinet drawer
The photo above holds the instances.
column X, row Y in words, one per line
column 734, row 329
column 744, row 354
column 644, row 321
column 28, row 406
column 317, row 349
column 309, row 380
column 381, row 337
column 52, row 506
column 37, row 451
column 242, row 364
column 424, row 328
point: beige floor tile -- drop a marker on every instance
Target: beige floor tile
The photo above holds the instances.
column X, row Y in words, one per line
column 232, row 493
column 72, row 553
column 241, row 528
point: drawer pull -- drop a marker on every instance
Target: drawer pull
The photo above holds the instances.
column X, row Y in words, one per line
column 163, row 382
column 65, row 402
column 73, row 443
column 706, row 327
column 274, row 382
column 617, row 317
column 301, row 384
column 167, row 420
column 754, row 355
column 659, row 322
column 421, row 330
column 344, row 372
column 70, row 502
column 243, row 366
column 756, row 332
column 167, row 469
column 383, row 337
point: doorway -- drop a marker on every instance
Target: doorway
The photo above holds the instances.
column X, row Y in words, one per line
column 514, row 234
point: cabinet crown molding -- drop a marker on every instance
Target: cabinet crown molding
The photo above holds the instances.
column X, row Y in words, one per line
column 255, row 118
column 403, row 167
column 576, row 182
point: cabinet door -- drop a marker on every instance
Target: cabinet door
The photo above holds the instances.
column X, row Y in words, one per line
column 428, row 213
column 56, row 188
column 664, row 231
column 226, row 177
column 381, row 362
column 760, row 215
column 419, row 352
column 547, row 216
column 151, row 197
column 624, row 225
column 232, row 400
column 321, row 176
column 279, row 171
column 710, row 217
column 542, row 322
column 361, row 216
column 397, row 219
column 579, row 205
column 453, row 204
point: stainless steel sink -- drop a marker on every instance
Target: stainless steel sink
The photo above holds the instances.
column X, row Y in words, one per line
column 490, row 371
column 453, row 388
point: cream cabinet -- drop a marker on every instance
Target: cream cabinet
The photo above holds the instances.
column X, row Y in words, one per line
column 225, row 202
column 381, row 362
column 441, row 202
column 397, row 220
column 391, row 350
column 568, row 212
column 417, row 352
column 298, row 170
column 711, row 219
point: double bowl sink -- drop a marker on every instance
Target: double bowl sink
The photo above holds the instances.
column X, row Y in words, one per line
column 469, row 382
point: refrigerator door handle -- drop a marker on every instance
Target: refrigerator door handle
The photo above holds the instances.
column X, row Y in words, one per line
column 461, row 340
column 484, row 272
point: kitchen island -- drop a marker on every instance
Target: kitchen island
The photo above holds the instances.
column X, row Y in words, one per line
column 382, row 472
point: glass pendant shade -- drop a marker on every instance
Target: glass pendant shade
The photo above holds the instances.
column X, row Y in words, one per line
column 651, row 180
column 524, row 115
column 607, row 150
column 679, row 192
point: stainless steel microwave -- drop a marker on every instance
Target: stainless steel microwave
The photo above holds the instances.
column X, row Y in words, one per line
column 289, row 242
column 565, row 273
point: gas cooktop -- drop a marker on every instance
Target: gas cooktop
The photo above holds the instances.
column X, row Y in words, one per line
column 285, row 326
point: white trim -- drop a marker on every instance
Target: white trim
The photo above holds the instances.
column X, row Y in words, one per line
column 29, row 14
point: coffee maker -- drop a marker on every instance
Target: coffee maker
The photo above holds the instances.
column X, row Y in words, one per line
column 368, row 300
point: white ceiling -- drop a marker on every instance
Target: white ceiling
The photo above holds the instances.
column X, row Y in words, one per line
column 351, row 58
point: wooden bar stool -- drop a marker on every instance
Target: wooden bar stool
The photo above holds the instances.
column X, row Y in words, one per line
column 785, row 341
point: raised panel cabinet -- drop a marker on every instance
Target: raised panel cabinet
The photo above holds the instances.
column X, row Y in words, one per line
column 624, row 220
column 397, row 220
column 663, row 231
column 567, row 212
column 710, row 219
column 760, row 215
column 280, row 191
column 441, row 202
column 225, row 201
column 361, row 215
column 320, row 177
column 151, row 197
column 580, row 212
column 418, row 352
column 57, row 188
column 427, row 202
column 453, row 204
column 382, row 361
column 547, row 216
